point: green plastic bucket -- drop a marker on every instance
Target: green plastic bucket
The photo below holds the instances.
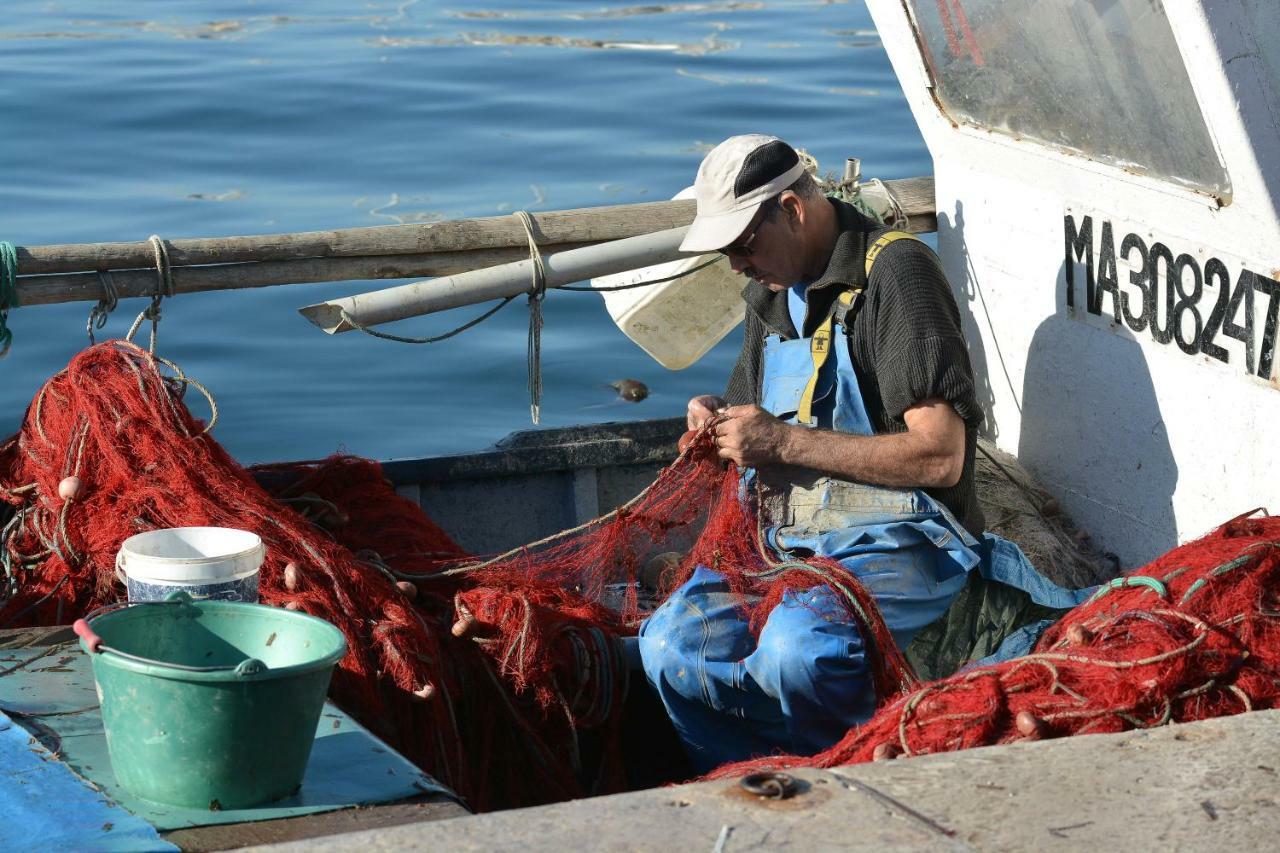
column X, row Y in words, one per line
column 210, row 704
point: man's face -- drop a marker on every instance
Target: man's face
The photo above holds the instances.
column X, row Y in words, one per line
column 767, row 250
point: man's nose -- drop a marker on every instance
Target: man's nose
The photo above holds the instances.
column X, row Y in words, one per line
column 739, row 263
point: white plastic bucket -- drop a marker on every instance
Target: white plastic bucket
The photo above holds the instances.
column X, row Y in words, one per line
column 205, row 562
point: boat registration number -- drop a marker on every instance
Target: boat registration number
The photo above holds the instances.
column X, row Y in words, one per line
column 1199, row 304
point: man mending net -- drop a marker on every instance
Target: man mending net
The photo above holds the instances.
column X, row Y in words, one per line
column 853, row 372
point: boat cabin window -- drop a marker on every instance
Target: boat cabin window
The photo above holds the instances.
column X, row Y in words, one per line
column 1100, row 78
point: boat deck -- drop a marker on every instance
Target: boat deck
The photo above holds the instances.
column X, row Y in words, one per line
column 47, row 698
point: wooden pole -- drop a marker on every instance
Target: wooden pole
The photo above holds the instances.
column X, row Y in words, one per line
column 65, row 273
column 584, row 225
column 76, row 287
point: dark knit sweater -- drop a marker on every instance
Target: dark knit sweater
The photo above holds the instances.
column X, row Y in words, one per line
column 906, row 342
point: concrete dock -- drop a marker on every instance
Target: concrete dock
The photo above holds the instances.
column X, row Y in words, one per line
column 1208, row 785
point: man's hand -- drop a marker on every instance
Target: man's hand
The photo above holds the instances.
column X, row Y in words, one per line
column 702, row 409
column 750, row 437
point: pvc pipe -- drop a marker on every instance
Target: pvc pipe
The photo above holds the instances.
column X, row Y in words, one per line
column 468, row 288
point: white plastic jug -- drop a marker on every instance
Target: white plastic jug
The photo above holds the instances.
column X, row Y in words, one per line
column 679, row 321
column 205, row 562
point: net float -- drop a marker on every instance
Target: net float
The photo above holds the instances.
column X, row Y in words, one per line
column 885, row 752
column 69, row 488
column 291, row 574
column 1079, row 635
column 1029, row 724
column 685, row 440
column 407, row 588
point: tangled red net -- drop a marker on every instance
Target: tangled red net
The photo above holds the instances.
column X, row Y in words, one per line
column 1194, row 634
column 496, row 715
column 499, row 713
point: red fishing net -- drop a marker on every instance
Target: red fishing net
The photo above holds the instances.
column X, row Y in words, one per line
column 494, row 714
column 1194, row 634
column 497, row 713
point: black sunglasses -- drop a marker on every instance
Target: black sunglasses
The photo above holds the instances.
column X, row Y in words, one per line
column 743, row 248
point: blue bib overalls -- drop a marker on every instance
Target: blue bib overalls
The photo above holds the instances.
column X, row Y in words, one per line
column 804, row 681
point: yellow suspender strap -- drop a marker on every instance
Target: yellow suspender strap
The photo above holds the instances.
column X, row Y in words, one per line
column 820, row 343
column 819, row 349
column 879, row 245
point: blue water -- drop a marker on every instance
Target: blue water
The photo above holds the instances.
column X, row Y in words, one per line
column 202, row 119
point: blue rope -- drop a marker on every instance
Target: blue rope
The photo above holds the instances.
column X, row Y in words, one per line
column 8, row 292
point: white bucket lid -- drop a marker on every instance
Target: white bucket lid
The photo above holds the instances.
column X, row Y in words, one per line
column 191, row 555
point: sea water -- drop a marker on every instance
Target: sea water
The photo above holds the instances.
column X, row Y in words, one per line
column 205, row 119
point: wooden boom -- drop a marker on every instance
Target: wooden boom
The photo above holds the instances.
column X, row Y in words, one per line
column 68, row 272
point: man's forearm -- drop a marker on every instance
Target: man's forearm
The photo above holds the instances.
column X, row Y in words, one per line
column 900, row 459
column 929, row 454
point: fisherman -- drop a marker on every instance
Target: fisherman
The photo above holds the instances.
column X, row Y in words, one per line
column 861, row 451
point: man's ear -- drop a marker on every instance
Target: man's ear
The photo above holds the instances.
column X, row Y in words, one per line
column 792, row 207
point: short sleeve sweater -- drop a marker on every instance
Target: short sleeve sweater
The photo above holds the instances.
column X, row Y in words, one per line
column 906, row 343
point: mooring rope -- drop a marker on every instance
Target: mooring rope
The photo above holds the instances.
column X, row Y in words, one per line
column 647, row 283
column 537, row 293
column 355, row 324
column 110, row 298
column 164, row 287
column 8, row 292
column 851, row 192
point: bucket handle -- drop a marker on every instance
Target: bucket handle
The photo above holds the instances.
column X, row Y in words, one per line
column 247, row 667
column 90, row 637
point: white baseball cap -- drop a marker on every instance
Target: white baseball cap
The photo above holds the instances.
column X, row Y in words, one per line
column 738, row 176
